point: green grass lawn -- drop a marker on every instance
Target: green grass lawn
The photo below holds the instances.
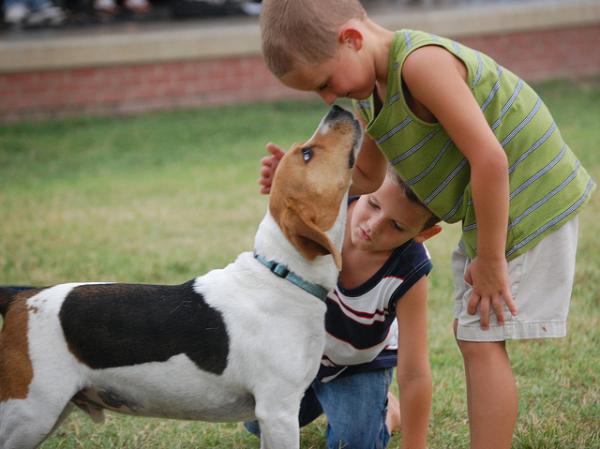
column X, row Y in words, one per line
column 161, row 198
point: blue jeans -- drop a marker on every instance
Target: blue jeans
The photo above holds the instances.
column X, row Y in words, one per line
column 355, row 407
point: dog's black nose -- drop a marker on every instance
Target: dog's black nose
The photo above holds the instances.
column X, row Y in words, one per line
column 336, row 112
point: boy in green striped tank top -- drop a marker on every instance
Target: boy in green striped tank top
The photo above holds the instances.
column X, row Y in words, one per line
column 477, row 146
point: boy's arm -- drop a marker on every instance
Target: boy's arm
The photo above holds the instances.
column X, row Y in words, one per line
column 413, row 371
column 436, row 79
column 370, row 168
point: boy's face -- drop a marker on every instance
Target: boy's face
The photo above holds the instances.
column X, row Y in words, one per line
column 386, row 218
column 346, row 75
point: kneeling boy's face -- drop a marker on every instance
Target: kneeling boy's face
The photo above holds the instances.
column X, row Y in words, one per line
column 386, row 218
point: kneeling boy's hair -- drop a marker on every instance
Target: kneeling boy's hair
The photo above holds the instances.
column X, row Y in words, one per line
column 393, row 174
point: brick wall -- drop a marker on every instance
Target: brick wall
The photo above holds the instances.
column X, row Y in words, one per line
column 122, row 89
column 544, row 54
column 129, row 89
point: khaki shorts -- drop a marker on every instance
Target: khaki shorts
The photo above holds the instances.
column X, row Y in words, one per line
column 541, row 284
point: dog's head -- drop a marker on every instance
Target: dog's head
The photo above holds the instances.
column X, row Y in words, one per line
column 311, row 182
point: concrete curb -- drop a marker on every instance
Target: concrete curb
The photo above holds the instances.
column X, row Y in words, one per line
column 222, row 39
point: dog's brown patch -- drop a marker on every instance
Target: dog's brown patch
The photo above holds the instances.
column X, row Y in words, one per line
column 16, row 371
column 305, row 197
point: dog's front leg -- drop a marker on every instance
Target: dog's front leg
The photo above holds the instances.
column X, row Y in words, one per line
column 280, row 432
column 278, row 420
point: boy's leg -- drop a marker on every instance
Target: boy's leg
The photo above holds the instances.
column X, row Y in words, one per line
column 356, row 408
column 491, row 394
column 491, row 389
column 541, row 283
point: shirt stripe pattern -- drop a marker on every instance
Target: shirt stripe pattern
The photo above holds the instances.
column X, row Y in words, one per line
column 538, row 158
column 360, row 322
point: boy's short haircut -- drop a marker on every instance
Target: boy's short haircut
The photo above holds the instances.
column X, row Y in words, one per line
column 393, row 174
column 303, row 30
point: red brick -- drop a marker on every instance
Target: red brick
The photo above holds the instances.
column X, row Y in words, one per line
column 130, row 89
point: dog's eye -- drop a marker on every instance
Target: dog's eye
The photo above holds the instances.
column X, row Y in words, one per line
column 307, row 154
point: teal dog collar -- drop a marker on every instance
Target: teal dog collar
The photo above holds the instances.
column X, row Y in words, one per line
column 282, row 271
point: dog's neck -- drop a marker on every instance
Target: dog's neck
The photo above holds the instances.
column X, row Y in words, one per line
column 271, row 243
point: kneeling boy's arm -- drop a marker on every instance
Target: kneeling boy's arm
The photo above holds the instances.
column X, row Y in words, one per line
column 413, row 371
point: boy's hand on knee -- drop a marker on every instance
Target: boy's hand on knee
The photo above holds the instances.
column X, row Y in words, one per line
column 491, row 289
column 268, row 167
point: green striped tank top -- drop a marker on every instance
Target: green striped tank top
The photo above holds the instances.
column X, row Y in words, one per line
column 548, row 185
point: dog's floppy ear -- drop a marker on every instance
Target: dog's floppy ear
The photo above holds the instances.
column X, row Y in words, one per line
column 306, row 236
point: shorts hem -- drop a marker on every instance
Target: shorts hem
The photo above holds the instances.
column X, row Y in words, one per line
column 513, row 330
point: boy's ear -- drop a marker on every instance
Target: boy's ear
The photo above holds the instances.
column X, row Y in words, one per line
column 426, row 234
column 351, row 35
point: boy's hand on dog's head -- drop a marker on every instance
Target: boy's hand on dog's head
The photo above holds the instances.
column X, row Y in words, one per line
column 268, row 167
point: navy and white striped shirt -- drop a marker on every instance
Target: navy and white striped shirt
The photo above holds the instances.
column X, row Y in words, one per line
column 360, row 323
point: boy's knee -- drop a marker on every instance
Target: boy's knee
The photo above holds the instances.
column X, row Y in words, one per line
column 355, row 442
column 357, row 437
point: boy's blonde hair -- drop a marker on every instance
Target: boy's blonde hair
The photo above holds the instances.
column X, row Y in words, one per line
column 303, row 31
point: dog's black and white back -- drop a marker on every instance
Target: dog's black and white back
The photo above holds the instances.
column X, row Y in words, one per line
column 235, row 344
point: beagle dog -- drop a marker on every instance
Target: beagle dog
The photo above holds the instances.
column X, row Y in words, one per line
column 239, row 343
